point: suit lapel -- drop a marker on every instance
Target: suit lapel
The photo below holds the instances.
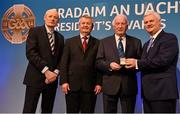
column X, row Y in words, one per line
column 56, row 43
column 128, row 43
column 114, row 47
column 44, row 35
column 158, row 37
column 90, row 43
column 79, row 43
column 154, row 42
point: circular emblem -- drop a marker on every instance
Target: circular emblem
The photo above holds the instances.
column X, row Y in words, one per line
column 16, row 23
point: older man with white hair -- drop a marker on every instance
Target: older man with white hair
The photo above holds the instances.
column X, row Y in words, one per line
column 118, row 82
column 44, row 48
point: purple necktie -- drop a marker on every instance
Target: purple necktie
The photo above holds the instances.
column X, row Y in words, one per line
column 150, row 44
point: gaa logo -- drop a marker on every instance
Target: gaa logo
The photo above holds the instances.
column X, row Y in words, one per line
column 16, row 23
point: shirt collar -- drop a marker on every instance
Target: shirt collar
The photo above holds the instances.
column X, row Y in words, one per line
column 157, row 33
column 81, row 36
column 48, row 31
column 117, row 37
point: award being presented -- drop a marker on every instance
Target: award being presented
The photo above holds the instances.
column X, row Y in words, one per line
column 122, row 61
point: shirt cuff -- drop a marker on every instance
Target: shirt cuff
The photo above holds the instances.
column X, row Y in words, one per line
column 56, row 71
column 109, row 68
column 44, row 69
column 136, row 65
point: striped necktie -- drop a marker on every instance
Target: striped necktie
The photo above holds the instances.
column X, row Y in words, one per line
column 51, row 42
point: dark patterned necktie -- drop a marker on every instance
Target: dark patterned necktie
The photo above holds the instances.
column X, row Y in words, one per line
column 120, row 48
column 51, row 42
column 84, row 44
column 150, row 44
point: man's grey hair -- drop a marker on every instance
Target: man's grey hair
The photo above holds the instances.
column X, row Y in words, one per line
column 157, row 15
column 85, row 16
column 118, row 16
column 49, row 10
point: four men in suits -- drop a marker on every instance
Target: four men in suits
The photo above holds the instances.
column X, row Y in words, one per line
column 80, row 80
column 158, row 66
column 118, row 82
column 43, row 55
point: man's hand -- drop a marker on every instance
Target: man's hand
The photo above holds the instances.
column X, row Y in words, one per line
column 114, row 66
column 130, row 63
column 65, row 88
column 50, row 76
column 97, row 89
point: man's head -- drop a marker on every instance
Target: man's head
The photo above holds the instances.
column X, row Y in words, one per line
column 51, row 18
column 152, row 22
column 85, row 25
column 120, row 25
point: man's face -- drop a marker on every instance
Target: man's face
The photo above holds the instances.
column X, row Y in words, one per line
column 152, row 24
column 85, row 25
column 120, row 26
column 51, row 19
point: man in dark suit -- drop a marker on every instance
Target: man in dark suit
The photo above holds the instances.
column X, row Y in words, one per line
column 44, row 48
column 118, row 82
column 158, row 66
column 80, row 80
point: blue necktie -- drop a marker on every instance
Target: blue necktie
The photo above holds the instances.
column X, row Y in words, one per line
column 150, row 44
column 120, row 48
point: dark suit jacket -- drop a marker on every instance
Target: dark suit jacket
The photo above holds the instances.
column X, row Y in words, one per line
column 77, row 67
column 39, row 55
column 112, row 80
column 159, row 68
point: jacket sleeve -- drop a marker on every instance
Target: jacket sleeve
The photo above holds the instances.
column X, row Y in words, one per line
column 101, row 63
column 64, row 64
column 32, row 50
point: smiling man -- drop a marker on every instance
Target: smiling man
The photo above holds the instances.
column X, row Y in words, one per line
column 80, row 81
column 158, row 65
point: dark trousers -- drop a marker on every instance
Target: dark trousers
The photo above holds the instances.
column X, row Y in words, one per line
column 79, row 101
column 160, row 106
column 32, row 96
column 111, row 102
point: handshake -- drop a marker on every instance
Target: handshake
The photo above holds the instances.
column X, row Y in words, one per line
column 129, row 63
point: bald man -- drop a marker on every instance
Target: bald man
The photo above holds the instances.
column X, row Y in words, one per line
column 118, row 82
column 44, row 48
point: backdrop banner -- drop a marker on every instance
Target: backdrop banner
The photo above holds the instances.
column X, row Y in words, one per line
column 17, row 16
